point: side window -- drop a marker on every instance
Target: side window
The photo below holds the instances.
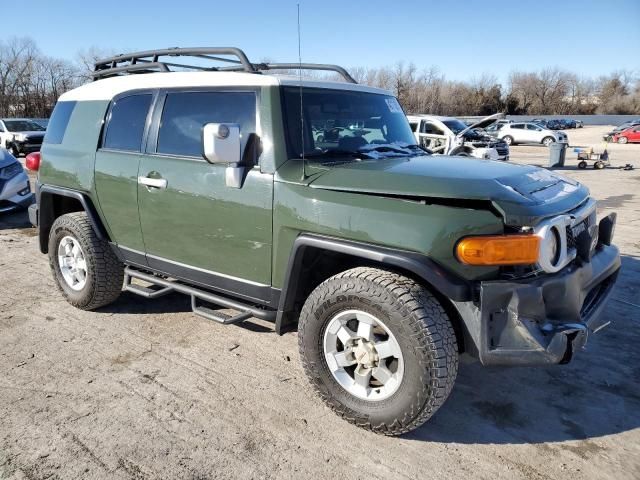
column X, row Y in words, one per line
column 185, row 113
column 126, row 122
column 519, row 126
column 59, row 121
column 531, row 126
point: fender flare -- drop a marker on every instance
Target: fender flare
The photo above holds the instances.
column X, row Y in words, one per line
column 440, row 279
column 46, row 215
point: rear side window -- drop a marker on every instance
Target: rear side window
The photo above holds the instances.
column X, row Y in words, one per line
column 126, row 122
column 519, row 126
column 59, row 121
column 185, row 114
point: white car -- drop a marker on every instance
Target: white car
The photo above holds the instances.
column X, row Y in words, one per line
column 529, row 132
column 451, row 136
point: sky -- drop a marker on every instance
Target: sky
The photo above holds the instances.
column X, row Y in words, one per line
column 464, row 39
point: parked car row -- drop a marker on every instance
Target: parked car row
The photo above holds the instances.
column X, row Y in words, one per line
column 21, row 135
column 513, row 133
column 628, row 132
column 560, row 124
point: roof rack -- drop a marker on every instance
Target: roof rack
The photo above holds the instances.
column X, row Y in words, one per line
column 149, row 61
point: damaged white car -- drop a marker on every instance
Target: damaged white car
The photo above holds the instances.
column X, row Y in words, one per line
column 450, row 136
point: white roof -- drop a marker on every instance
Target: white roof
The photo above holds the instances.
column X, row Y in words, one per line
column 108, row 88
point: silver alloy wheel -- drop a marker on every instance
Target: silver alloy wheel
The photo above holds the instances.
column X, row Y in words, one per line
column 548, row 141
column 73, row 265
column 363, row 355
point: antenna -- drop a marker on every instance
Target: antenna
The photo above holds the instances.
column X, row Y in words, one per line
column 304, row 161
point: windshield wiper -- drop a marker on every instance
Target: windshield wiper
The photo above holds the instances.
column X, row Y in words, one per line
column 334, row 152
column 405, row 149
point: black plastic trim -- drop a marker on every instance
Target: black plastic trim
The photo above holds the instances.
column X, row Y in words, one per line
column 258, row 293
column 420, row 265
column 46, row 214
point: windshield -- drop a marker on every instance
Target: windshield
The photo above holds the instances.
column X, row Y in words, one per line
column 22, row 126
column 342, row 122
column 456, row 126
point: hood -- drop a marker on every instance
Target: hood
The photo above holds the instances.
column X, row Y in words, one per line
column 35, row 133
column 523, row 194
column 484, row 123
column 6, row 158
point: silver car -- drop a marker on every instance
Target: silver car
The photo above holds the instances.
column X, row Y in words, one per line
column 529, row 132
column 15, row 191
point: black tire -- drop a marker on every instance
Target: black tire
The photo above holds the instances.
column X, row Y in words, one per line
column 508, row 139
column 599, row 165
column 422, row 329
column 547, row 141
column 105, row 273
column 582, row 164
column 14, row 151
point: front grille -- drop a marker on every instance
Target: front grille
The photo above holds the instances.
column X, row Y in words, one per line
column 34, row 140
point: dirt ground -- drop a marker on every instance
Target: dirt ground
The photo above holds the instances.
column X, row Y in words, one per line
column 145, row 389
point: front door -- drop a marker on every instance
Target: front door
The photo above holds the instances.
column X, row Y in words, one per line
column 194, row 225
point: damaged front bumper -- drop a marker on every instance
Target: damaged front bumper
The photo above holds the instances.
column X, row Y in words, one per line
column 544, row 320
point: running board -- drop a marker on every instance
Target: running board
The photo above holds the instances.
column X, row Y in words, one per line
column 161, row 286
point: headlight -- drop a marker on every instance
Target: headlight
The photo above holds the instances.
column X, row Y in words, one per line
column 20, row 137
column 11, row 171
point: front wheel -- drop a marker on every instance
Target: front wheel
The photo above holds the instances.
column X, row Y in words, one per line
column 508, row 140
column 378, row 348
column 623, row 139
column 86, row 270
column 547, row 141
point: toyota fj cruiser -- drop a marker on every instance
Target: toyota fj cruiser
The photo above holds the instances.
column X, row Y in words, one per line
column 390, row 261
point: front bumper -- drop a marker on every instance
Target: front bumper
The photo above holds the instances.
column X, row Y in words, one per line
column 27, row 147
column 15, row 193
column 541, row 321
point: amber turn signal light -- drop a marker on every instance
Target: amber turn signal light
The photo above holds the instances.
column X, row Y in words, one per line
column 499, row 250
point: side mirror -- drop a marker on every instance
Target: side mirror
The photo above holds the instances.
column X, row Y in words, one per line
column 221, row 144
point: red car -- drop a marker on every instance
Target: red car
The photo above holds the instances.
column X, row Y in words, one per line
column 631, row 134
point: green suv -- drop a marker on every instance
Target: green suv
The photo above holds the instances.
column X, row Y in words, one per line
column 309, row 204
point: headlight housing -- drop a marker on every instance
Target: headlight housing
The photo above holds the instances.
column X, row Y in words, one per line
column 20, row 137
column 10, row 171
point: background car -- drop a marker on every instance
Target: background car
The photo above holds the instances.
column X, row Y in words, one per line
column 554, row 125
column 20, row 135
column 630, row 135
column 567, row 123
column 529, row 132
column 451, row 136
column 15, row 191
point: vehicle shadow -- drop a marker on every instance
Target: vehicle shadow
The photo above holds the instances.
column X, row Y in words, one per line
column 597, row 394
column 15, row 221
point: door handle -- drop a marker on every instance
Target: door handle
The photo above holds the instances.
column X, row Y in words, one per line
column 153, row 182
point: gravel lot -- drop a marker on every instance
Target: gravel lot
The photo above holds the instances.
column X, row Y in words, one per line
column 145, row 389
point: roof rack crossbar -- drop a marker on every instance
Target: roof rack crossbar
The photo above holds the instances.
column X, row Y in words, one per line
column 149, row 61
column 297, row 66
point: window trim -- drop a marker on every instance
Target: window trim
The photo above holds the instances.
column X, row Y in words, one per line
column 147, row 123
column 151, row 144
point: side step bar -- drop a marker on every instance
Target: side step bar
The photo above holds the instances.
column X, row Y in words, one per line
column 164, row 286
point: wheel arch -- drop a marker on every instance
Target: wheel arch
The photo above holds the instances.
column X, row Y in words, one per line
column 310, row 254
column 56, row 201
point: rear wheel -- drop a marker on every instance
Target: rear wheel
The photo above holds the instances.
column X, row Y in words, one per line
column 599, row 165
column 548, row 141
column 508, row 139
column 14, row 151
column 86, row 270
column 378, row 348
column 582, row 164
